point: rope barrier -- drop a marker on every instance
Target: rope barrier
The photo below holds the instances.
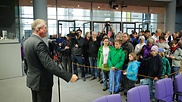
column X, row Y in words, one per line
column 138, row 74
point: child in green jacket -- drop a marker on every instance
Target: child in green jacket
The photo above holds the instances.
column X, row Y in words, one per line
column 116, row 60
column 165, row 62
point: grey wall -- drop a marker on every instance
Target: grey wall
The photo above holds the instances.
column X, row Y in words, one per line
column 10, row 60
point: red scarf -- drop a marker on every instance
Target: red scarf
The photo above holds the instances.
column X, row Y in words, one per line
column 173, row 49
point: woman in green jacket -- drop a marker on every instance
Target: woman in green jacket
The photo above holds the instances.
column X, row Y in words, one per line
column 102, row 57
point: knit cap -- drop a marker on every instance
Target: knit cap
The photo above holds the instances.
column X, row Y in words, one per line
column 154, row 48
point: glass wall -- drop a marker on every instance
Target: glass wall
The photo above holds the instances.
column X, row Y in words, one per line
column 82, row 14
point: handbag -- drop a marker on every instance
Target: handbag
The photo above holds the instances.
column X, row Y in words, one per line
column 105, row 67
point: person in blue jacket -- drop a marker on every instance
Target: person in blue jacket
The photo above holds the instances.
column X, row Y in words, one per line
column 130, row 74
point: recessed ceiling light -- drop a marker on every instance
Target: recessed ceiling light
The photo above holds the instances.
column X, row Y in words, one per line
column 78, row 5
column 98, row 7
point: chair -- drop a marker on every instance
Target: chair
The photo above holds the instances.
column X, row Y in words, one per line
column 138, row 94
column 164, row 90
column 178, row 88
column 109, row 98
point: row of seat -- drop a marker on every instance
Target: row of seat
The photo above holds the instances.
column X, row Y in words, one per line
column 164, row 92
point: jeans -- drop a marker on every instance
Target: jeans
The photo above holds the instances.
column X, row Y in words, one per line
column 93, row 63
column 79, row 60
column 175, row 69
column 151, row 86
column 105, row 78
column 114, row 79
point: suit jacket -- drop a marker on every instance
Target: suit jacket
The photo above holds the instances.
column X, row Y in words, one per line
column 39, row 65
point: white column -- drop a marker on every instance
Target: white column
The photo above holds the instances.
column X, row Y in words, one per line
column 40, row 12
column 170, row 16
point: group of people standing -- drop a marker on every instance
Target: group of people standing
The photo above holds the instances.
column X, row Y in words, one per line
column 119, row 60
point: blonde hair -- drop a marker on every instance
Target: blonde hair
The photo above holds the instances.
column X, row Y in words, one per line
column 37, row 24
column 119, row 41
column 134, row 56
column 161, row 54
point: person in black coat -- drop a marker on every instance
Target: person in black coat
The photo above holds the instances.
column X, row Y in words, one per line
column 77, row 47
column 154, row 68
column 93, row 47
column 39, row 66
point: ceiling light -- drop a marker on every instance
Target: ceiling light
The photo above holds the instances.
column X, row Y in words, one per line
column 78, row 5
column 98, row 7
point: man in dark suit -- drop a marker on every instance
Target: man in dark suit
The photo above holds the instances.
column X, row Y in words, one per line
column 39, row 65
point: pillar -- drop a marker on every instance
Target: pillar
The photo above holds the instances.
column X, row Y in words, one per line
column 170, row 16
column 40, row 12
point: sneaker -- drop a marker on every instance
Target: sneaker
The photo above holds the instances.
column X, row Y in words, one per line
column 125, row 93
column 98, row 79
column 101, row 81
column 83, row 79
column 104, row 89
column 93, row 78
column 116, row 92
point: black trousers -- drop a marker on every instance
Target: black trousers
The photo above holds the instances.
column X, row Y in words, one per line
column 128, row 84
column 66, row 60
column 42, row 96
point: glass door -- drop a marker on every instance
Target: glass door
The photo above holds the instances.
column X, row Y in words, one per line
column 106, row 26
column 65, row 26
column 86, row 27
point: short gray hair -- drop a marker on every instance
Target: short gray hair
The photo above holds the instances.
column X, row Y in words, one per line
column 150, row 40
column 37, row 24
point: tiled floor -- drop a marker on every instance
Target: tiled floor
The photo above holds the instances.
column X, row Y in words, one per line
column 15, row 90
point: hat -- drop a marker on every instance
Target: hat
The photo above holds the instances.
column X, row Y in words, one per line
column 160, row 49
column 142, row 37
column 154, row 48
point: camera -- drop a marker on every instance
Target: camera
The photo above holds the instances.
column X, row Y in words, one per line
column 107, row 24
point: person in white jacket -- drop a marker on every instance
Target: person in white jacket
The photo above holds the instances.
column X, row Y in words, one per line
column 139, row 46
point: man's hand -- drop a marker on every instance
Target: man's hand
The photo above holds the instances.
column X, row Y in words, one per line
column 60, row 44
column 113, row 68
column 156, row 78
column 124, row 73
column 165, row 76
column 66, row 47
column 172, row 57
column 94, row 39
column 74, row 78
column 76, row 45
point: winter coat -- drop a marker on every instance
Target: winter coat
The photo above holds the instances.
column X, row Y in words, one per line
column 116, row 58
column 132, row 70
column 100, row 59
